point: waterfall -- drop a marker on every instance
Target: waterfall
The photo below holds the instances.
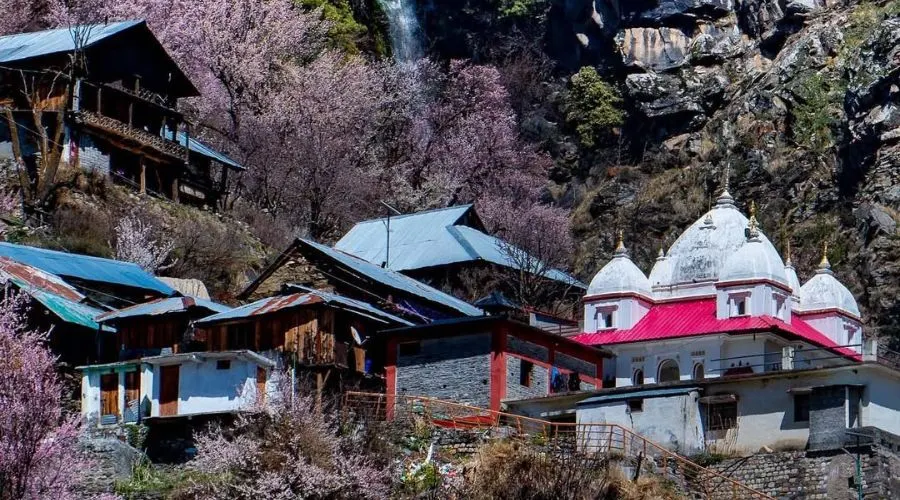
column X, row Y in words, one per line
column 404, row 30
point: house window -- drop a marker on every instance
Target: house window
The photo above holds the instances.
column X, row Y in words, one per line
column 638, row 377
column 740, row 307
column 635, row 405
column 607, row 320
column 223, row 364
column 801, row 407
column 721, row 416
column 410, row 348
column 668, row 371
column 526, row 368
column 699, row 373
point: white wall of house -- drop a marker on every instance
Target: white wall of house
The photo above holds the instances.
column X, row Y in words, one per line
column 765, row 411
column 202, row 388
column 626, row 312
column 671, row 421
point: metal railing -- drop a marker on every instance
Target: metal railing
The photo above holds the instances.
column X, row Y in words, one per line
column 559, row 438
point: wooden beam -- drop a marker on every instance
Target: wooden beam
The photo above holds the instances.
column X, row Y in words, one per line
column 143, row 175
column 175, row 189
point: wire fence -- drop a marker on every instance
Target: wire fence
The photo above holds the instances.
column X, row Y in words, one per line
column 561, row 439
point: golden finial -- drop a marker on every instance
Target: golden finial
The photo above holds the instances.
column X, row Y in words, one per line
column 662, row 254
column 824, row 264
column 620, row 243
column 753, row 230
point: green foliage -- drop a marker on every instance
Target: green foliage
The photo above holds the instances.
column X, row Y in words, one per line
column 345, row 31
column 816, row 112
column 864, row 20
column 136, row 434
column 149, row 481
column 523, row 8
column 593, row 107
column 424, row 478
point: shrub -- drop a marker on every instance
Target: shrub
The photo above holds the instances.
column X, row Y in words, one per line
column 593, row 107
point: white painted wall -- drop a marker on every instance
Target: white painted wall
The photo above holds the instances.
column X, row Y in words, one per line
column 626, row 311
column 202, row 388
column 761, row 299
column 672, row 422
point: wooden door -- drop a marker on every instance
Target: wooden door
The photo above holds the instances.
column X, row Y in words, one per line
column 109, row 394
column 132, row 395
column 260, row 385
column 168, row 390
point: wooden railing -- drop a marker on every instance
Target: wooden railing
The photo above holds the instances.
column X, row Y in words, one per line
column 562, row 438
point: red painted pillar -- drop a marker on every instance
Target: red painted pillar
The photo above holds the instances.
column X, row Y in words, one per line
column 498, row 367
column 390, row 377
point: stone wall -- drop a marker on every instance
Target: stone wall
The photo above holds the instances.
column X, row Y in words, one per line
column 451, row 368
column 539, row 380
column 816, row 475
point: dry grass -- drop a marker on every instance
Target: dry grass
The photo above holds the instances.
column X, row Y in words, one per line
column 507, row 470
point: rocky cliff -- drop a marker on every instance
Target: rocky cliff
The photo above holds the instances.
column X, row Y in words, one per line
column 801, row 98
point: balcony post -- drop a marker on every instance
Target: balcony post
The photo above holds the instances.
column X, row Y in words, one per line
column 143, row 175
column 787, row 358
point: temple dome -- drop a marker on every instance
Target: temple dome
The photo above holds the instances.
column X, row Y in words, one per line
column 661, row 274
column 824, row 291
column 702, row 249
column 620, row 275
column 755, row 260
column 791, row 274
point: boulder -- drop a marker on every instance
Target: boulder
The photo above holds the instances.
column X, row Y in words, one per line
column 656, row 49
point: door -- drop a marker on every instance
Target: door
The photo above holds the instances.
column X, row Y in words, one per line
column 168, row 390
column 132, row 395
column 109, row 394
column 260, row 385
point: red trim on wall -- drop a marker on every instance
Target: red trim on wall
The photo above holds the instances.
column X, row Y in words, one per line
column 390, row 376
column 498, row 367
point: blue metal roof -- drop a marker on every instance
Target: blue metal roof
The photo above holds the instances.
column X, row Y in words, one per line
column 637, row 394
column 67, row 310
column 160, row 307
column 202, row 149
column 284, row 302
column 431, row 238
column 42, row 43
column 395, row 280
column 85, row 267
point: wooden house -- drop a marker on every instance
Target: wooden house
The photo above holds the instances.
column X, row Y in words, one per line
column 157, row 327
column 314, row 331
column 107, row 97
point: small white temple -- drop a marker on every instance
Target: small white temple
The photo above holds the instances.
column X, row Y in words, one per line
column 721, row 301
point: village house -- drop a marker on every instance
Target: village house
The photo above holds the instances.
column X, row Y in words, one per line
column 442, row 247
column 68, row 291
column 722, row 350
column 320, row 267
column 319, row 336
column 486, row 361
column 114, row 90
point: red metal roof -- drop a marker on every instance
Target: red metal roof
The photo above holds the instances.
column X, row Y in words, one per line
column 689, row 318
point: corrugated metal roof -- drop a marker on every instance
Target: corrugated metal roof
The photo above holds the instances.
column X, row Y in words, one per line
column 639, row 394
column 395, row 280
column 160, row 307
column 202, row 149
column 427, row 239
column 688, row 318
column 67, row 310
column 85, row 267
column 283, row 302
column 27, row 277
column 42, row 43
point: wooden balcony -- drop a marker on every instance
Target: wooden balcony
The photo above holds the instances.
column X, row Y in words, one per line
column 130, row 137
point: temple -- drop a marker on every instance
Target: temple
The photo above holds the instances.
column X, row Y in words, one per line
column 720, row 302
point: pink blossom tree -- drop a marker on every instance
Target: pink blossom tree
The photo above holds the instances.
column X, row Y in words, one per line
column 39, row 455
column 136, row 242
column 288, row 449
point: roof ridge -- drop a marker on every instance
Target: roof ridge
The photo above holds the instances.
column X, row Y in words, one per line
column 69, row 254
column 467, row 206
